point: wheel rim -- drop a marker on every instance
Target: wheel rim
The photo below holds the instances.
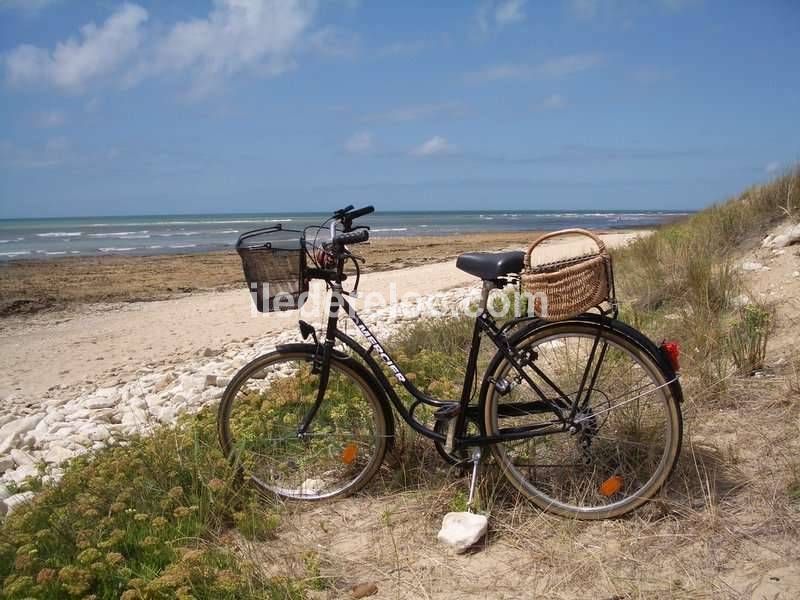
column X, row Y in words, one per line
column 629, row 428
column 263, row 412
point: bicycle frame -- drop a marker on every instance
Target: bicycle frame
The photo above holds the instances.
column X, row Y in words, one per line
column 560, row 405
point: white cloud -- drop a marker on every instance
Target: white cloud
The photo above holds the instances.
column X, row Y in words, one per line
column 30, row 7
column 50, row 118
column 75, row 62
column 772, row 167
column 494, row 14
column 568, row 65
column 402, row 48
column 436, row 146
column 512, row 11
column 415, row 112
column 55, row 152
column 238, row 35
column 552, row 102
column 359, row 143
column 257, row 36
column 561, row 66
column 584, row 9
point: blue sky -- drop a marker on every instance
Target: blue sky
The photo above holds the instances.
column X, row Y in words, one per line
column 112, row 108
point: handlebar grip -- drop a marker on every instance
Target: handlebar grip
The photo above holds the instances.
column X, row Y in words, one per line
column 354, row 237
column 343, row 211
column 361, row 212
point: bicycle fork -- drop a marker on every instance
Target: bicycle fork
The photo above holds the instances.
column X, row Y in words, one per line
column 322, row 360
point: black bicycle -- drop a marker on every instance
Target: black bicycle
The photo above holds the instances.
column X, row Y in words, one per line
column 582, row 415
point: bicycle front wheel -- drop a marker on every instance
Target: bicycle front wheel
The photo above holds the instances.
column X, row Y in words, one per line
column 624, row 440
column 260, row 418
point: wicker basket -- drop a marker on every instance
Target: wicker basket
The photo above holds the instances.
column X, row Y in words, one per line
column 568, row 287
column 274, row 263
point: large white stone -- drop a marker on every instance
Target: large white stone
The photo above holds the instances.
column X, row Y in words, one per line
column 13, row 502
column 57, row 455
column 11, row 432
column 6, row 463
column 98, row 402
column 788, row 236
column 462, row 529
column 21, row 473
column 751, row 265
column 21, row 458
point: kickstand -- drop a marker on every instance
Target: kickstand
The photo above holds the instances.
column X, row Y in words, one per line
column 476, row 460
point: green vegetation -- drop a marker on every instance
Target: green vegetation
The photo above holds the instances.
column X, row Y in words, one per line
column 140, row 520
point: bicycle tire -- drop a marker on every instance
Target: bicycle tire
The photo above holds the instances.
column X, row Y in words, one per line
column 540, row 482
column 244, row 421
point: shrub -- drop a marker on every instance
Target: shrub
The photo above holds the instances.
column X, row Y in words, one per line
column 138, row 521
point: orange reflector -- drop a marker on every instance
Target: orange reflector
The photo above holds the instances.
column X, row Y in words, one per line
column 349, row 453
column 611, row 486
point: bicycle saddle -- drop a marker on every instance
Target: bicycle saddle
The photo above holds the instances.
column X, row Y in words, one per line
column 491, row 265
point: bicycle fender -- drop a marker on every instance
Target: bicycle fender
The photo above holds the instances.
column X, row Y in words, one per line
column 613, row 325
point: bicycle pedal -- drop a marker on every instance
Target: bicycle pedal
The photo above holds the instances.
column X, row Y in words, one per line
column 450, row 442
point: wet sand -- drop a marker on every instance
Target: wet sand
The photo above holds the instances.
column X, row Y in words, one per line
column 30, row 286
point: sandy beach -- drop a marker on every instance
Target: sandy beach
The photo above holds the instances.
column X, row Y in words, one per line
column 95, row 344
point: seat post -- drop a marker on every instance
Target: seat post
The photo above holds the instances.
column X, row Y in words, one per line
column 488, row 286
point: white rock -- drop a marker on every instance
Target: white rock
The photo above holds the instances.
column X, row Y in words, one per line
column 135, row 416
column 166, row 414
column 223, row 381
column 462, row 529
column 13, row 502
column 20, row 474
column 99, row 434
column 11, row 432
column 6, row 463
column 312, row 486
column 99, row 402
column 57, row 455
column 21, row 458
column 751, row 265
column 796, row 274
column 741, row 300
column 192, row 383
column 4, row 493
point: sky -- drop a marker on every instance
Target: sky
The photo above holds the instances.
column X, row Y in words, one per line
column 159, row 107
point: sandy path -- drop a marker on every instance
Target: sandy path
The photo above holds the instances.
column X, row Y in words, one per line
column 107, row 343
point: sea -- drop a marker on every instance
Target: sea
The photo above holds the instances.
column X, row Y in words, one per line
column 181, row 234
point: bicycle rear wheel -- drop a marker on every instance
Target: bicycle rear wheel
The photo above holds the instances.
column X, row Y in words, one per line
column 260, row 416
column 627, row 435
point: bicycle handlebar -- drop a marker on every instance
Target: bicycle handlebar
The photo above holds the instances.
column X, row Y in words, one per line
column 354, row 237
column 360, row 212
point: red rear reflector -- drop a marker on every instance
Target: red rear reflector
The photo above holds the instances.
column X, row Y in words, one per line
column 672, row 352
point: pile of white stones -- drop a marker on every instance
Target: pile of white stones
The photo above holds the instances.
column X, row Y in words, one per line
column 78, row 422
column 787, row 236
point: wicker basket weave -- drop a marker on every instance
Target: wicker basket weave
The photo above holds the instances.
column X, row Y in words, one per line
column 566, row 288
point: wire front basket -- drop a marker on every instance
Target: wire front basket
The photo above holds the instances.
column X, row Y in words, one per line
column 274, row 263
